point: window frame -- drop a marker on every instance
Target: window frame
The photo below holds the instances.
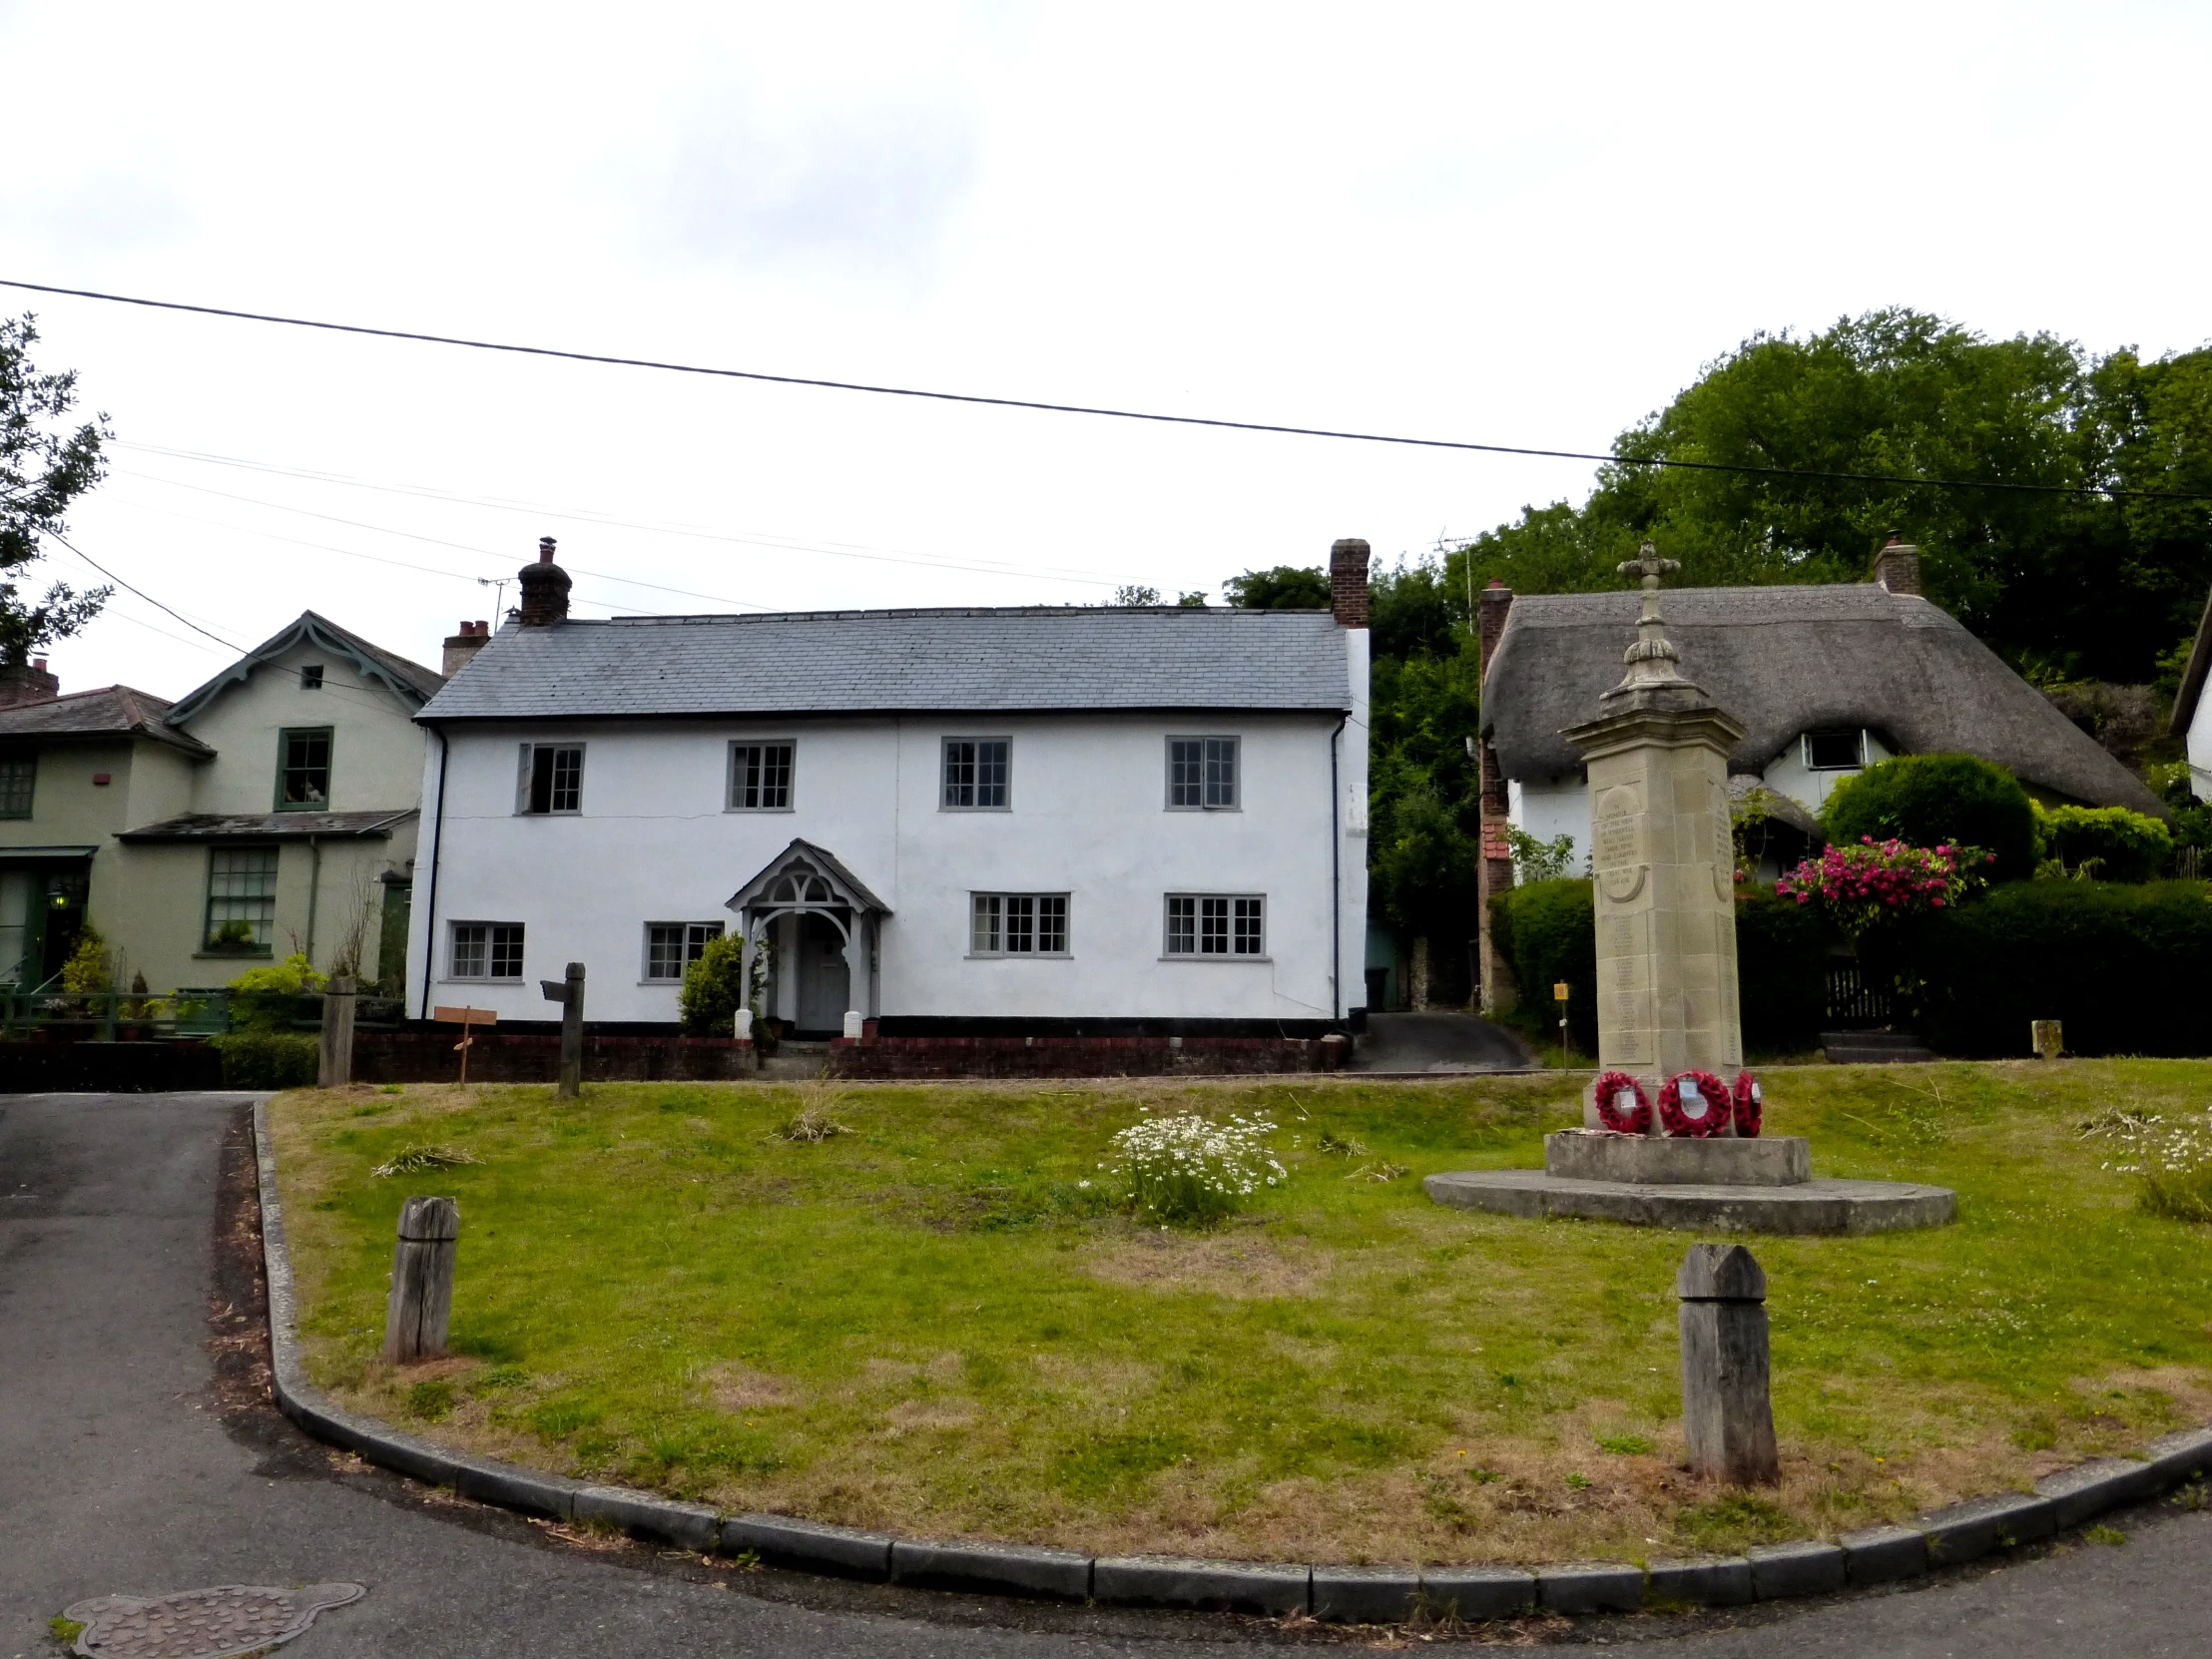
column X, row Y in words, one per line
column 27, row 760
column 285, row 734
column 1857, row 738
column 1231, row 926
column 310, row 676
column 731, row 774
column 945, row 774
column 645, row 975
column 526, row 779
column 1004, row 929
column 1206, row 742
column 261, row 946
column 453, row 975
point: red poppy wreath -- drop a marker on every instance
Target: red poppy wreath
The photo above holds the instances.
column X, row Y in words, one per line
column 1707, row 1092
column 1750, row 1104
column 1613, row 1089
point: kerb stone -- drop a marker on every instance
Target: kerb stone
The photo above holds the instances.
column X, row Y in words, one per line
column 1477, row 1594
column 1806, row 1568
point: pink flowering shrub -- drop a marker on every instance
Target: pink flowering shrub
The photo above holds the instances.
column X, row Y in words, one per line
column 1861, row 885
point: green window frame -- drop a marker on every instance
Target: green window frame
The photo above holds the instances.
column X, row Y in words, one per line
column 242, row 899
column 18, row 785
column 303, row 768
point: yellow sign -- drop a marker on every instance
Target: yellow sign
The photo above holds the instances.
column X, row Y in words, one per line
column 1559, row 991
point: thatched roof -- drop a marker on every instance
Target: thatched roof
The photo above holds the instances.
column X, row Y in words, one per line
column 1790, row 660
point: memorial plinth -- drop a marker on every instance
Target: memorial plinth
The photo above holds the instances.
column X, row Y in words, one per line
column 1663, row 870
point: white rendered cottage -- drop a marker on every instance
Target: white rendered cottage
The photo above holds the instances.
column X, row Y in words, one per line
column 959, row 822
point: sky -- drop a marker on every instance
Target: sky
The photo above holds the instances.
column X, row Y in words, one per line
column 1498, row 224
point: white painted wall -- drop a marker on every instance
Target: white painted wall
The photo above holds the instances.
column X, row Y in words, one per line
column 2198, row 746
column 1549, row 808
column 1788, row 775
column 652, row 842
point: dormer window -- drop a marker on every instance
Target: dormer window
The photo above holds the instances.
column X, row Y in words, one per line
column 310, row 677
column 1835, row 751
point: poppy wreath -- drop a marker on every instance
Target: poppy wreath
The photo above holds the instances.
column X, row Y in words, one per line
column 1709, row 1089
column 1610, row 1088
column 1751, row 1102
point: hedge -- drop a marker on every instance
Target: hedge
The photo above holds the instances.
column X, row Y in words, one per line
column 1547, row 932
column 1929, row 800
column 269, row 1059
column 2127, row 968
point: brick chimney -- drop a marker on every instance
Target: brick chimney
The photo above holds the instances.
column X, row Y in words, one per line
column 544, row 589
column 464, row 645
column 1898, row 566
column 20, row 683
column 1347, row 582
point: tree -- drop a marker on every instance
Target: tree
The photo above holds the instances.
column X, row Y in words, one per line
column 2072, row 585
column 1284, row 588
column 44, row 466
column 1134, row 594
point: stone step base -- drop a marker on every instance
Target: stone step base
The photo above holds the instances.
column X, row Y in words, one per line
column 1667, row 1161
column 1812, row 1207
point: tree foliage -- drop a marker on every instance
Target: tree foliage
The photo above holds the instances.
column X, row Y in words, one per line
column 1932, row 801
column 2079, row 586
column 1284, row 588
column 44, row 466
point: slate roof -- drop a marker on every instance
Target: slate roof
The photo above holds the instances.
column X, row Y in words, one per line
column 851, row 662
column 411, row 681
column 110, row 712
column 219, row 827
column 1787, row 660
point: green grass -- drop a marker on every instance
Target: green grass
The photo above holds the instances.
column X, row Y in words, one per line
column 929, row 1322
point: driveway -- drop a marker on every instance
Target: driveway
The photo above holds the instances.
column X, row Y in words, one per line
column 138, row 1455
column 1437, row 1041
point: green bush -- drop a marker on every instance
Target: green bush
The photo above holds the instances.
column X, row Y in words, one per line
column 2124, row 846
column 2127, row 968
column 713, row 989
column 1783, row 952
column 1547, row 932
column 269, row 1059
column 1933, row 800
column 273, row 998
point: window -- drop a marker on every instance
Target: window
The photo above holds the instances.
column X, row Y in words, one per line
column 672, row 946
column 304, row 770
column 975, row 774
column 552, row 777
column 1018, row 924
column 1835, row 751
column 310, row 677
column 760, row 777
column 1202, row 773
column 241, row 897
column 18, row 779
column 1217, row 924
column 487, row 950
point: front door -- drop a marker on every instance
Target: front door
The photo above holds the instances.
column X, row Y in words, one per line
column 823, row 979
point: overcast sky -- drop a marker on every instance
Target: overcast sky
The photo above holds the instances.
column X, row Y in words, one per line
column 1504, row 224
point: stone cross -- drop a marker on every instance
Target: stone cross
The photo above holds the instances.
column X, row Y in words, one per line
column 1726, row 1410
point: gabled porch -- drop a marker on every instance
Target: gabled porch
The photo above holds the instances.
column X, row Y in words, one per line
column 821, row 929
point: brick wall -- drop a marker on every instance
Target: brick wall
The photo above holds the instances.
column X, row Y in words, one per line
column 892, row 1057
column 428, row 1057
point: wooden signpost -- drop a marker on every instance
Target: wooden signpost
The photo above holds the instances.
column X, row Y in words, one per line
column 569, row 993
column 467, row 1020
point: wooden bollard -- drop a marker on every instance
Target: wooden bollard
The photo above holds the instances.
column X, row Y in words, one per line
column 1727, row 1414
column 335, row 1069
column 421, row 1304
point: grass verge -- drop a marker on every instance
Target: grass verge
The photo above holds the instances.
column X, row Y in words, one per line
column 928, row 1323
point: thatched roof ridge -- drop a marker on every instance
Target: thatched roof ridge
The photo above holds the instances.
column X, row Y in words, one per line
column 1787, row 660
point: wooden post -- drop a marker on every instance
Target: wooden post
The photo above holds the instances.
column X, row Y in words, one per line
column 1727, row 1414
column 2048, row 1040
column 422, row 1303
column 569, row 993
column 337, row 1069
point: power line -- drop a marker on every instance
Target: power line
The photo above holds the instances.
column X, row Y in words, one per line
column 149, row 598
column 1111, row 414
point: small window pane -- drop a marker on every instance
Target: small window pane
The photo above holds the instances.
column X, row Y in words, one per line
column 1021, row 922
column 310, row 677
column 1212, row 927
column 242, row 896
column 1182, row 926
column 303, row 778
column 1221, row 771
column 1249, row 933
column 1052, row 923
column 1186, row 772
column 18, row 778
column 664, row 950
column 506, row 953
column 556, row 778
column 976, row 771
column 469, row 951
column 1832, row 751
column 760, row 777
column 986, row 936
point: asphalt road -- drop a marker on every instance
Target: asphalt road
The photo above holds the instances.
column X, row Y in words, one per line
column 137, row 1458
column 1437, row 1041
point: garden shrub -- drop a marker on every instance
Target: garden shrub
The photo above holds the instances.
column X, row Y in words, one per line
column 1189, row 1171
column 274, row 998
column 2115, row 844
column 1783, row 952
column 1932, row 800
column 1547, row 932
column 713, row 989
column 2128, row 969
column 269, row 1059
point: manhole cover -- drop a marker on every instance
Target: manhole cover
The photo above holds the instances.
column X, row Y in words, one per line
column 201, row 1624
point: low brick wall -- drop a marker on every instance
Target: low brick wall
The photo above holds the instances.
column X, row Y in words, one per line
column 428, row 1057
column 893, row 1057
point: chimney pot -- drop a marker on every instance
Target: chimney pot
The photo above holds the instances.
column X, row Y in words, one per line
column 1347, row 582
column 30, row 682
column 544, row 589
column 39, row 663
column 1898, row 566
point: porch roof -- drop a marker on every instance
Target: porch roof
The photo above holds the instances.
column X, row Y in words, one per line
column 855, row 891
column 217, row 826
